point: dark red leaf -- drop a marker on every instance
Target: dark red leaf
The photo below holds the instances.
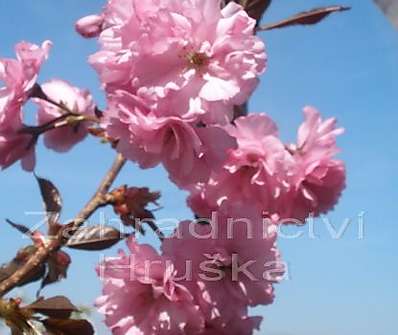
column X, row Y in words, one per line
column 52, row 200
column 68, row 327
column 95, row 238
column 58, row 307
column 21, row 228
column 305, row 18
column 6, row 270
column 57, row 268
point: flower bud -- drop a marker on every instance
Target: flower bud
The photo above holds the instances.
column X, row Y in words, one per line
column 89, row 26
column 132, row 202
column 63, row 259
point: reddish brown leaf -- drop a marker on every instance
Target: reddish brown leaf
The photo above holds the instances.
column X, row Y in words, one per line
column 57, row 268
column 134, row 200
column 52, row 200
column 6, row 270
column 68, row 327
column 305, row 18
column 21, row 228
column 95, row 238
column 58, row 307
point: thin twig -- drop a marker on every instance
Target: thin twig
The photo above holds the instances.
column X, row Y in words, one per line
column 67, row 118
column 99, row 198
column 156, row 230
column 43, row 253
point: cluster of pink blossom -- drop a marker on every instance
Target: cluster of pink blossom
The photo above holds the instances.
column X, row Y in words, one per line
column 173, row 71
column 286, row 182
column 203, row 283
column 19, row 76
column 54, row 98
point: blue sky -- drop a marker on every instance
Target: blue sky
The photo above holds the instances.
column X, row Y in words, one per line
column 347, row 67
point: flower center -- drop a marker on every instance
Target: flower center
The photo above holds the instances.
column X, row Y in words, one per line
column 196, row 59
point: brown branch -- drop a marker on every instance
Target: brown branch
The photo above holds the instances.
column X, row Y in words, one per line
column 56, row 243
column 99, row 198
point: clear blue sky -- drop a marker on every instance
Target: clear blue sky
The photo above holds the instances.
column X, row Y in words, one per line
column 347, row 67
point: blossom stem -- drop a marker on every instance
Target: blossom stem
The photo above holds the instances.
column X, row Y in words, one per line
column 68, row 117
column 64, row 120
column 37, row 92
column 42, row 254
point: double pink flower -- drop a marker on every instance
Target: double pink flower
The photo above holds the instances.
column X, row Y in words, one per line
column 19, row 76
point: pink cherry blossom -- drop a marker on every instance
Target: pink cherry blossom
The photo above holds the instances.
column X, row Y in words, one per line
column 288, row 182
column 142, row 296
column 201, row 201
column 188, row 152
column 19, row 76
column 319, row 178
column 255, row 172
column 14, row 145
column 205, row 56
column 75, row 99
column 215, row 251
column 115, row 14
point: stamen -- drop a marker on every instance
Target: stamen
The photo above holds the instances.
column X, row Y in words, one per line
column 196, row 59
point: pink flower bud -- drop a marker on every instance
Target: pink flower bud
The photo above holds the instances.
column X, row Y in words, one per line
column 89, row 26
